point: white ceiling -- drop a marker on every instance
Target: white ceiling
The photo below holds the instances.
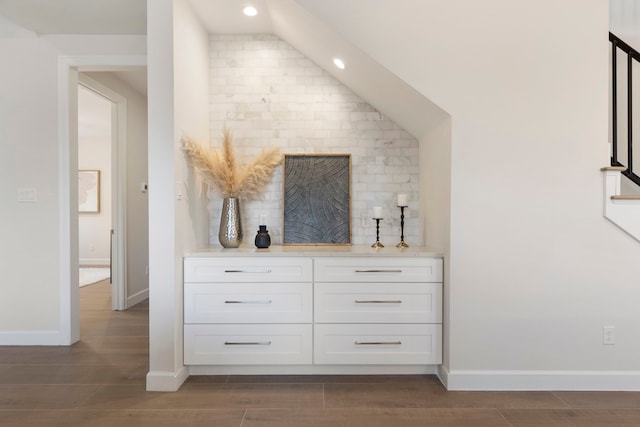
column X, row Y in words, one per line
column 218, row 16
column 78, row 16
column 286, row 18
column 127, row 16
column 225, row 16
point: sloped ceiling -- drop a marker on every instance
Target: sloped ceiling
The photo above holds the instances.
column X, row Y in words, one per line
column 288, row 19
column 366, row 77
column 297, row 26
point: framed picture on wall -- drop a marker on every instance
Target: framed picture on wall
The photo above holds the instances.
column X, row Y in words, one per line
column 317, row 199
column 89, row 191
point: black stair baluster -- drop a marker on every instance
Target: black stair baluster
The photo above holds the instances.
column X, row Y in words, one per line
column 632, row 55
column 614, row 103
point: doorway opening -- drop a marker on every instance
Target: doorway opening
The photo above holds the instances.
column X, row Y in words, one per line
column 128, row 182
column 103, row 228
column 95, row 124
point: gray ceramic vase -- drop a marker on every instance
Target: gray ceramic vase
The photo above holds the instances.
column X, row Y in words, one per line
column 230, row 234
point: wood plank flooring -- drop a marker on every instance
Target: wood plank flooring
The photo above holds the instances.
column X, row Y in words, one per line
column 100, row 381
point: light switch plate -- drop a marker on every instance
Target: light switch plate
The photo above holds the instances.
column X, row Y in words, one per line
column 27, row 195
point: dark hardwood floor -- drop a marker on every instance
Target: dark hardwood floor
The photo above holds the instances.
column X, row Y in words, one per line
column 100, row 381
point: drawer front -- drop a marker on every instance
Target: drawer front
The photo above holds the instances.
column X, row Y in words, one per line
column 382, row 270
column 378, row 303
column 247, row 303
column 378, row 344
column 253, row 269
column 247, row 344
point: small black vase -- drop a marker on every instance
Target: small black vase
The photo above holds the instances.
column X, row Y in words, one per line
column 263, row 240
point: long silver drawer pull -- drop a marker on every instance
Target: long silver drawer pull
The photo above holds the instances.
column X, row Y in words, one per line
column 378, row 342
column 263, row 301
column 378, row 271
column 247, row 343
column 395, row 301
column 266, row 270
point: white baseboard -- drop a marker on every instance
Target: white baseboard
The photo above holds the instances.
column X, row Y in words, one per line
column 33, row 338
column 166, row 380
column 540, row 380
column 312, row 369
column 137, row 297
column 95, row 261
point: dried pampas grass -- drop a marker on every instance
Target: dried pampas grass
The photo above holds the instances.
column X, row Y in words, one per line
column 220, row 170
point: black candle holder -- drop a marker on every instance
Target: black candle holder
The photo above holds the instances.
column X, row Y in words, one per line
column 402, row 244
column 377, row 244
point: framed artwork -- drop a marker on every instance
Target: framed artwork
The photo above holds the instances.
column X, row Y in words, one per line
column 317, row 199
column 89, row 191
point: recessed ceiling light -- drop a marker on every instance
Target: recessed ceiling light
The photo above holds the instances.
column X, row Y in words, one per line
column 338, row 63
column 250, row 11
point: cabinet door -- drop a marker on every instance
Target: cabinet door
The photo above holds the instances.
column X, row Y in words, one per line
column 247, row 269
column 378, row 303
column 247, row 344
column 247, row 303
column 379, row 269
column 348, row 344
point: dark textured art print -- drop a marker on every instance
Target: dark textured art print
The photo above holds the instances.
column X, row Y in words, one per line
column 317, row 199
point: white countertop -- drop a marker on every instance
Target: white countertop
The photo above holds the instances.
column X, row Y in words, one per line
column 319, row 251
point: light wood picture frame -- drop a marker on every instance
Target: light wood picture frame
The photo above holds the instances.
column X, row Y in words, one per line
column 316, row 199
column 89, row 191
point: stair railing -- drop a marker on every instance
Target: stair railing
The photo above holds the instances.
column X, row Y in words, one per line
column 632, row 55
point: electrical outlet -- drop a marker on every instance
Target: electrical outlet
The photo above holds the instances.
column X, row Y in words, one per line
column 608, row 335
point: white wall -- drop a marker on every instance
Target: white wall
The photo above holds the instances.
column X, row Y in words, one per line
column 137, row 253
column 624, row 20
column 270, row 95
column 34, row 303
column 435, row 205
column 178, row 105
column 94, row 153
column 535, row 271
column 28, row 159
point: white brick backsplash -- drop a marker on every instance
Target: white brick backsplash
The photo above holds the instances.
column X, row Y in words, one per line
column 270, row 95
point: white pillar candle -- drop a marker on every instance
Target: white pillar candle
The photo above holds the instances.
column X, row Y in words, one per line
column 377, row 212
column 403, row 199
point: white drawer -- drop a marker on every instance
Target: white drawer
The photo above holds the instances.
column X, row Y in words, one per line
column 383, row 270
column 247, row 344
column 378, row 303
column 250, row 269
column 378, row 344
column 247, row 303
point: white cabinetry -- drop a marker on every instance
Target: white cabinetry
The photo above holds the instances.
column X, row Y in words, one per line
column 247, row 311
column 378, row 311
column 273, row 311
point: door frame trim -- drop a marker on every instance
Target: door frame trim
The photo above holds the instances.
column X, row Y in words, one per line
column 68, row 68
